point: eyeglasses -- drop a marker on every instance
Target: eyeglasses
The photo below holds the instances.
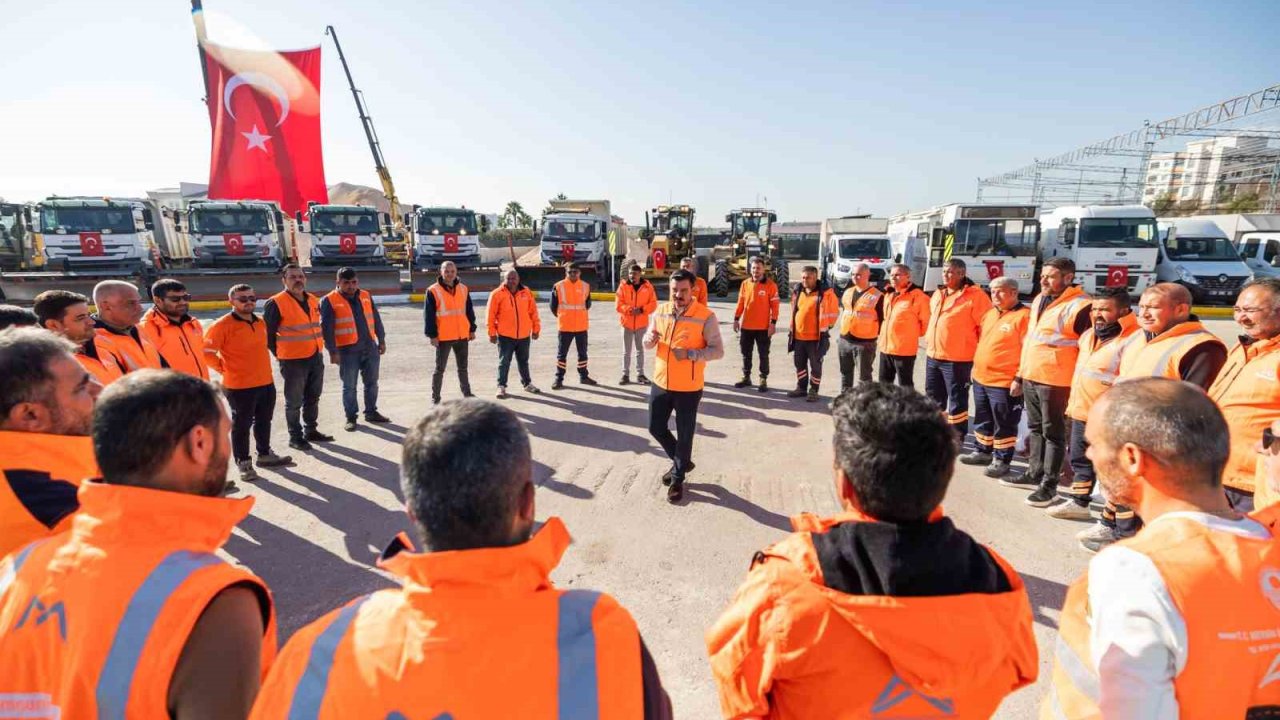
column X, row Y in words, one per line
column 179, row 298
column 245, row 299
column 1247, row 310
column 1268, row 438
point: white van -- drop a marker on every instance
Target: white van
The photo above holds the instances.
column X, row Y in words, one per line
column 1197, row 255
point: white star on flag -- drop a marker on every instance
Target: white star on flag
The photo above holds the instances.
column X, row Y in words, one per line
column 256, row 139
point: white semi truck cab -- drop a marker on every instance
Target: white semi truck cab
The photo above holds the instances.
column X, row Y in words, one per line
column 577, row 231
column 445, row 233
column 89, row 233
column 1196, row 254
column 235, row 233
column 344, row 234
column 1111, row 245
column 847, row 241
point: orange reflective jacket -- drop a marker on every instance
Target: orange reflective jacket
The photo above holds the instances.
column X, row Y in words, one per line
column 955, row 321
column 1162, row 355
column 758, row 304
column 906, row 316
column 180, row 344
column 131, row 351
column 41, row 474
column 995, row 361
column 791, row 646
column 645, row 298
column 344, row 321
column 860, row 320
column 298, row 337
column 1224, row 587
column 700, row 290
column 571, row 305
column 680, row 332
column 1052, row 345
column 1248, row 393
column 102, row 365
column 95, row 619
column 513, row 315
column 1097, row 367
column 471, row 634
column 237, row 349
column 813, row 313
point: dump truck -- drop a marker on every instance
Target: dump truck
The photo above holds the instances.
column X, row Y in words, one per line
column 235, row 234
column 345, row 234
column 446, row 233
column 578, row 231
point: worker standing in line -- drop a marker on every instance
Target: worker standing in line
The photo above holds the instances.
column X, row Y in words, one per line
column 1059, row 315
column 482, row 582
column 571, row 305
column 292, row 318
column 1097, row 369
column 450, row 325
column 1167, row 624
column 995, row 363
column 356, row 342
column 906, row 317
column 46, row 415
column 178, row 337
column 513, row 321
column 755, row 319
column 119, row 310
column 862, row 307
column 67, row 314
column 690, row 264
column 635, row 302
column 14, row 316
column 955, row 321
column 236, row 346
column 1247, row 389
column 131, row 613
column 814, row 311
column 886, row 609
column 684, row 335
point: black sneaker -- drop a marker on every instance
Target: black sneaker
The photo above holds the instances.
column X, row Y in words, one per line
column 1021, row 481
column 666, row 477
column 557, row 384
column 588, row 380
column 744, row 382
column 435, row 400
column 813, row 396
column 997, row 469
column 349, row 425
column 675, row 492
column 798, row 392
column 377, row 417
column 626, row 380
column 317, row 436
column 299, row 444
column 641, row 379
column 1044, row 496
column 764, row 386
column 976, row 458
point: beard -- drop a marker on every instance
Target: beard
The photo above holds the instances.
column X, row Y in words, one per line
column 1118, row 488
column 65, row 423
column 214, row 481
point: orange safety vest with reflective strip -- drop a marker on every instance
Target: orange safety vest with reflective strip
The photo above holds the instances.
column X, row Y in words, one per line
column 995, row 361
column 813, row 313
column 1161, row 355
column 955, row 322
column 180, row 344
column 1049, row 354
column 105, row 367
column 451, row 312
column 1247, row 390
column 1097, row 367
column 471, row 634
column 571, row 305
column 679, row 332
column 96, row 619
column 859, row 319
column 1225, row 588
column 130, row 353
column 298, row 337
column 41, row 474
column 344, row 321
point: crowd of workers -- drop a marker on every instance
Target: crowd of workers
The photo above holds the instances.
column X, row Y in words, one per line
column 113, row 601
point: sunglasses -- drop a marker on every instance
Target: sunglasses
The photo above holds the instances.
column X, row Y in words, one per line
column 1268, row 439
column 179, row 298
column 245, row 299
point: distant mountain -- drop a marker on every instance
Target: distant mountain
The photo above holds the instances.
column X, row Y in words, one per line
column 351, row 194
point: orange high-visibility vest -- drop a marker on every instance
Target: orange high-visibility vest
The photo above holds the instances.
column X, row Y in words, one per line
column 995, row 361
column 131, row 352
column 105, row 367
column 471, row 634
column 513, row 315
column 813, row 313
column 758, row 304
column 1247, row 391
column 859, row 319
column 906, row 316
column 683, row 332
column 180, row 344
column 344, row 321
column 1097, row 367
column 298, row 337
column 644, row 297
column 41, row 474
column 96, row 619
column 571, row 305
column 451, row 312
column 1224, row 587
column 955, row 321
column 1052, row 345
column 1161, row 355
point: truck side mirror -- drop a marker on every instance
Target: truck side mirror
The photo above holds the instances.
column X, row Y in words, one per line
column 148, row 221
column 180, row 222
column 484, row 223
column 898, row 258
column 279, row 219
column 1068, row 233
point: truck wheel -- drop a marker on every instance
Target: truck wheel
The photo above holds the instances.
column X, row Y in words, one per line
column 720, row 282
column 782, row 276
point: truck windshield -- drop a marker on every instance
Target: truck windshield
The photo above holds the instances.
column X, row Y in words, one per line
column 570, row 229
column 435, row 223
column 996, row 237
column 1200, row 248
column 1118, row 232
column 667, row 223
column 218, row 222
column 362, row 223
column 87, row 219
column 864, row 248
column 743, row 224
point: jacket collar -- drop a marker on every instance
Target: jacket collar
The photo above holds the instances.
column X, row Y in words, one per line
column 1016, row 307
column 17, row 445
column 154, row 315
column 810, row 522
column 524, row 567
column 157, row 517
column 98, row 322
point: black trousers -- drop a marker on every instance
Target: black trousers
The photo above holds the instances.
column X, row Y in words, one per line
column 808, row 357
column 1047, row 421
column 903, row 367
column 1085, row 478
column 303, row 384
column 946, row 382
column 507, row 349
column 995, row 420
column 861, row 353
column 760, row 340
column 678, row 447
column 251, row 409
column 562, row 352
column 459, row 349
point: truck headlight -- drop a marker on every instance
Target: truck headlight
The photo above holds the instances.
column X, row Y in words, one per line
column 1185, row 275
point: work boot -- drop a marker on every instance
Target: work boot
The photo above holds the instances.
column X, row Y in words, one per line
column 666, row 477
column 977, row 457
column 247, row 473
column 531, row 389
column 435, row 399
column 502, row 392
column 270, row 459
column 798, row 392
column 377, row 417
column 1024, row 480
column 626, row 380
column 349, row 425
column 813, row 395
column 1068, row 510
column 317, row 436
column 744, row 382
column 764, row 385
column 588, row 380
column 467, row 393
column 997, row 469
column 557, row 384
column 641, row 379
column 298, row 443
column 231, row 488
column 1044, row 495
column 675, row 491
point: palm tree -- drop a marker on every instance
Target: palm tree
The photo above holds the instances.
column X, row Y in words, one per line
column 514, row 216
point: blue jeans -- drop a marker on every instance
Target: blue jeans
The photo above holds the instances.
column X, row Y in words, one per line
column 946, row 382
column 508, row 347
column 359, row 362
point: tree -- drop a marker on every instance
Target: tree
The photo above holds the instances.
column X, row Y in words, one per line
column 514, row 216
column 559, row 196
column 1164, row 203
column 1243, row 203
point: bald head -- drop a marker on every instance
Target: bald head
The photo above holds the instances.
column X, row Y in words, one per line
column 119, row 303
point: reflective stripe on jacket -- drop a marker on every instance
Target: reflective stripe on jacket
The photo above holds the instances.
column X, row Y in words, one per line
column 298, row 336
column 1052, row 345
column 181, row 344
column 41, row 475
column 680, row 332
column 1161, row 355
column 1097, row 367
column 571, row 305
column 860, row 320
column 1247, row 391
column 344, row 322
column 451, row 312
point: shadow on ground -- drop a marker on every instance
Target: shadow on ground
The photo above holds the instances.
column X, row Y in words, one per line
column 713, row 494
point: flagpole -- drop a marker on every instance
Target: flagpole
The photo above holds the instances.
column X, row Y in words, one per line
column 197, row 19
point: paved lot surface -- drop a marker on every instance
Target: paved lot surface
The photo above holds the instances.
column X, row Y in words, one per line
column 317, row 527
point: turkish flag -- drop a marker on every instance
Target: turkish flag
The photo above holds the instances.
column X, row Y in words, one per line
column 451, row 242
column 91, row 244
column 234, row 243
column 995, row 268
column 264, row 109
column 659, row 259
column 566, row 249
column 1118, row 276
column 347, row 244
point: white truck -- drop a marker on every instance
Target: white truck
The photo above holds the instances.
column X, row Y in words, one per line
column 1198, row 255
column 234, row 233
column 1111, row 245
column 578, row 231
column 993, row 240
column 846, row 241
column 344, row 234
column 71, row 234
column 446, row 233
column 1257, row 238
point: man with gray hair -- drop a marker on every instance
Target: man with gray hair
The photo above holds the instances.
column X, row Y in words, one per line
column 1161, row 624
column 862, row 310
column 996, row 411
column 119, row 310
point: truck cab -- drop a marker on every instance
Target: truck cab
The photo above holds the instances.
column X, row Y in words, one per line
column 1111, row 245
column 668, row 234
column 85, row 233
column 1198, row 256
column 846, row 242
column 749, row 231
column 234, row 233
column 442, row 233
column 344, row 234
column 13, row 238
column 577, row 231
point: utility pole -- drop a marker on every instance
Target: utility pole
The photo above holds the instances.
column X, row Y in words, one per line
column 1275, row 181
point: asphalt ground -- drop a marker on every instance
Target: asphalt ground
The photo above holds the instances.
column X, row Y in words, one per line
column 317, row 528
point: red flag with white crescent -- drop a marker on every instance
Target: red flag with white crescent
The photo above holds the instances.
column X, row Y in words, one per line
column 1118, row 276
column 234, row 243
column 347, row 244
column 91, row 244
column 995, row 268
column 264, row 109
column 451, row 242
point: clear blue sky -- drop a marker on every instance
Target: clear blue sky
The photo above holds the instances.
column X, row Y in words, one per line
column 821, row 107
